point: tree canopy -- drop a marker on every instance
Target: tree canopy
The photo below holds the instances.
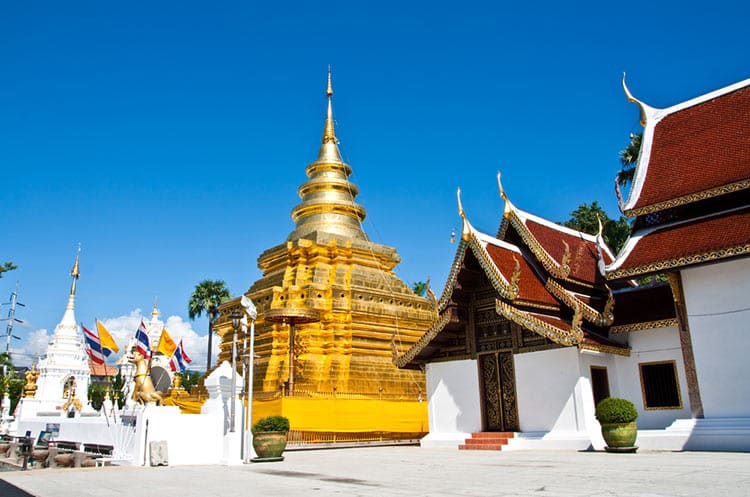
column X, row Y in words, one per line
column 584, row 218
column 629, row 159
column 420, row 288
column 8, row 266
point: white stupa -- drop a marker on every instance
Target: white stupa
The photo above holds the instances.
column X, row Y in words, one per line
column 154, row 328
column 64, row 373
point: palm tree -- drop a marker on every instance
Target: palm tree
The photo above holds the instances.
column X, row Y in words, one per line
column 207, row 297
column 629, row 159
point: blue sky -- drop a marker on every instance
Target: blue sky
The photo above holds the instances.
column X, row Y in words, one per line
column 169, row 139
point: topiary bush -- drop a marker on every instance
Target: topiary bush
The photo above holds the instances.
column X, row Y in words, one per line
column 271, row 423
column 614, row 410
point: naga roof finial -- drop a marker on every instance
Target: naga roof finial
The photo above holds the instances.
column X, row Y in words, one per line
column 508, row 206
column 466, row 231
column 643, row 107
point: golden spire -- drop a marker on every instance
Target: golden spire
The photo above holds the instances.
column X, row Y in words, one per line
column 328, row 196
column 155, row 310
column 329, row 135
column 75, row 273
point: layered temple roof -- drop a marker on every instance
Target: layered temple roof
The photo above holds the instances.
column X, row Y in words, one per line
column 548, row 279
column 691, row 189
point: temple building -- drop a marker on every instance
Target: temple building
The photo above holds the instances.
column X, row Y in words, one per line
column 538, row 323
column 330, row 312
column 63, row 373
column 691, row 203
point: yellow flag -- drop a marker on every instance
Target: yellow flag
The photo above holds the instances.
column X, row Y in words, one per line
column 106, row 339
column 166, row 344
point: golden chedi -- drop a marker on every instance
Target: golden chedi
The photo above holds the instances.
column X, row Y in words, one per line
column 330, row 312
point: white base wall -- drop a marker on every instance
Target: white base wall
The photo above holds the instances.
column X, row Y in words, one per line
column 452, row 403
column 717, row 299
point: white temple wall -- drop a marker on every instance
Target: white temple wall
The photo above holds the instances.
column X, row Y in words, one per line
column 647, row 346
column 452, row 402
column 548, row 390
column 717, row 299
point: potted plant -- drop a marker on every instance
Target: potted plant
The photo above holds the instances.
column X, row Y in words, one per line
column 617, row 417
column 269, row 438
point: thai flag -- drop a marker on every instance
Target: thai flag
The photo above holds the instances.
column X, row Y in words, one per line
column 141, row 341
column 93, row 346
column 179, row 360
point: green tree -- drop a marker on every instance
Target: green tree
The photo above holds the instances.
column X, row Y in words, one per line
column 420, row 288
column 8, row 266
column 117, row 386
column 584, row 218
column 10, row 382
column 629, row 159
column 191, row 379
column 207, row 297
column 97, row 391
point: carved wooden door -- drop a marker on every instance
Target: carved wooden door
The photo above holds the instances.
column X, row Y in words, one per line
column 498, row 389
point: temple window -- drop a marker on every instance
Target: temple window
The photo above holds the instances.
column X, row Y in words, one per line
column 659, row 385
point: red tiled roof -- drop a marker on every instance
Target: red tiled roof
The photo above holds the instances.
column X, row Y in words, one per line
column 583, row 252
column 698, row 148
column 102, row 369
column 714, row 237
column 644, row 304
column 530, row 288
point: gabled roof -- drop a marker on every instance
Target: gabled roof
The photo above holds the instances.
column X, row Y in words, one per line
column 687, row 242
column 565, row 253
column 694, row 150
column 525, row 280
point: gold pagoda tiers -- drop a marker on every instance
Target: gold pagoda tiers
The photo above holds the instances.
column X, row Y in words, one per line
column 331, row 313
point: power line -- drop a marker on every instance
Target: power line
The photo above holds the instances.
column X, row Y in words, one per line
column 12, row 318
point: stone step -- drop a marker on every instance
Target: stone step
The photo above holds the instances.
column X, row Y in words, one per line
column 480, row 446
column 486, row 441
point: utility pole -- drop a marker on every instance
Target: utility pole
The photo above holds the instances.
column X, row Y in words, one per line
column 11, row 318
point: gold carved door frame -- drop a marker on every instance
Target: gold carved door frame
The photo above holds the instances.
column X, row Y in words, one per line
column 498, row 392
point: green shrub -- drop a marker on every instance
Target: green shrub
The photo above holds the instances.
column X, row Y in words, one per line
column 271, row 423
column 614, row 410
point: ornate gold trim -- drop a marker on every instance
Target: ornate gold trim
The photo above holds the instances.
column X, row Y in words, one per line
column 540, row 327
column 415, row 349
column 557, row 270
column 646, row 325
column 591, row 315
column 499, row 283
column 607, row 349
column 450, row 282
column 660, row 266
column 693, row 197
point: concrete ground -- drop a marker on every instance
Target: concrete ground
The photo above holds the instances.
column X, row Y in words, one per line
column 404, row 471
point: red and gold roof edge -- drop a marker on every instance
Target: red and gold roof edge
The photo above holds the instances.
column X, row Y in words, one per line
column 601, row 319
column 677, row 262
column 435, row 329
column 559, row 270
column 646, row 325
column 540, row 327
column 688, row 199
column 607, row 349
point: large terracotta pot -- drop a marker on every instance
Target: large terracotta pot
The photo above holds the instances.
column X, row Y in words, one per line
column 269, row 445
column 620, row 437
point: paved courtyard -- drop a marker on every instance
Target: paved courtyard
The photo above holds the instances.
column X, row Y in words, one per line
column 411, row 471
